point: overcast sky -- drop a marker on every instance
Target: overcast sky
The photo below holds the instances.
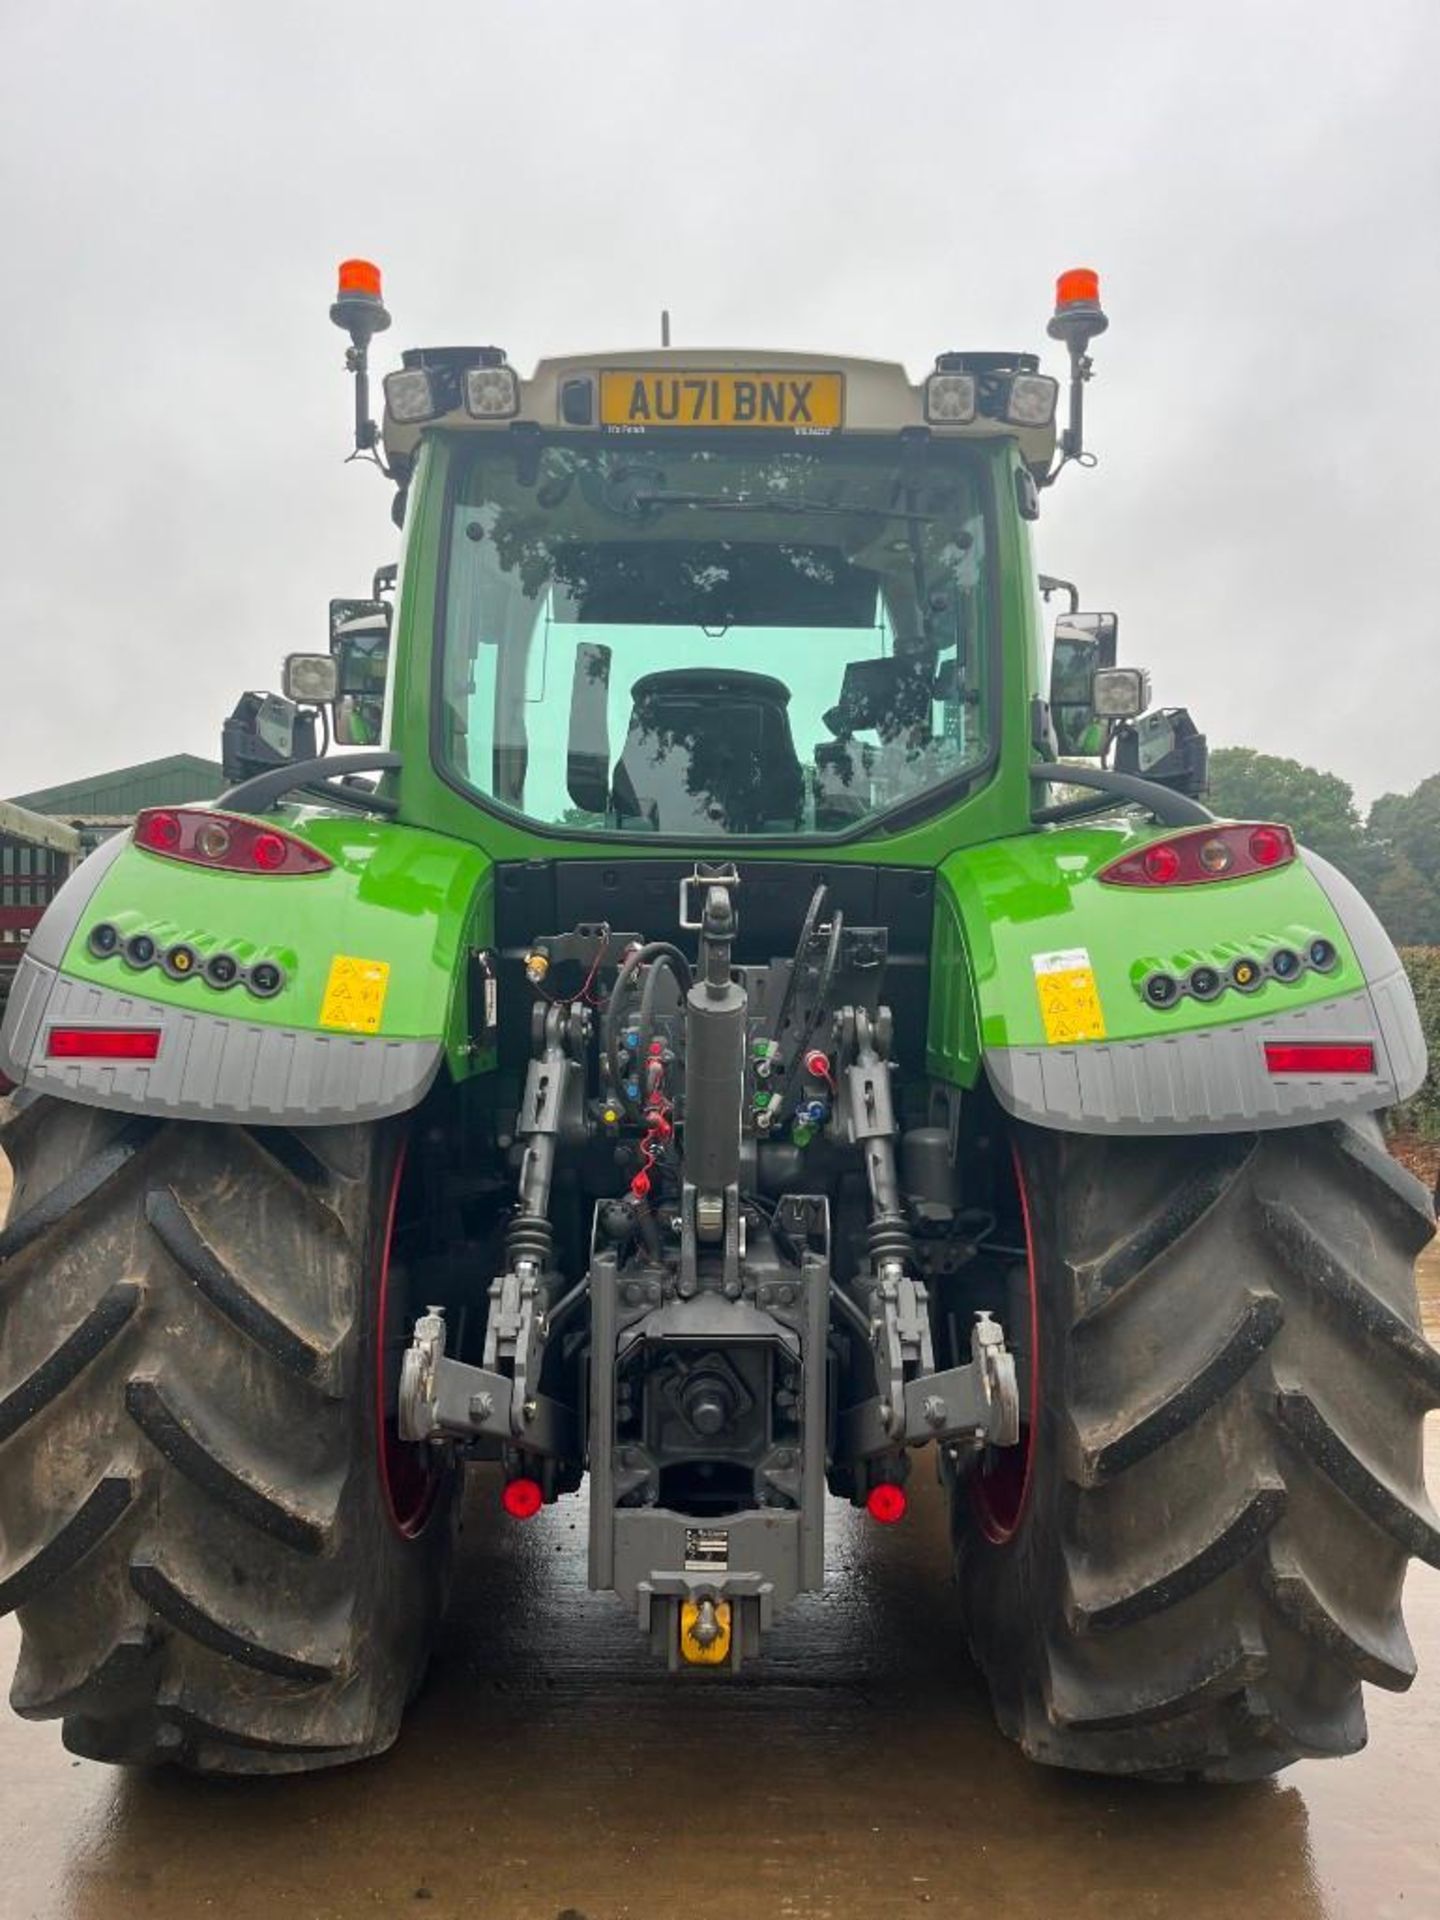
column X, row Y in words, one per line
column 1258, row 184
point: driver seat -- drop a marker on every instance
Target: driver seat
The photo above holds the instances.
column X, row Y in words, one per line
column 709, row 750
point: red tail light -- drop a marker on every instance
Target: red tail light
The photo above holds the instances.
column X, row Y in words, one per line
column 224, row 840
column 1319, row 1056
column 102, row 1043
column 1204, row 853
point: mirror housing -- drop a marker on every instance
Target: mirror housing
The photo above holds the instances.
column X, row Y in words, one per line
column 1085, row 645
column 360, row 645
column 344, row 612
column 587, row 761
column 1097, row 631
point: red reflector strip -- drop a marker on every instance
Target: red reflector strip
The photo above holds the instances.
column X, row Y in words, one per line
column 1319, row 1056
column 102, row 1043
column 886, row 1503
column 523, row 1498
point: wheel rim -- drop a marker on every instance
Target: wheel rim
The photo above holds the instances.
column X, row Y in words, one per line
column 410, row 1475
column 999, row 1498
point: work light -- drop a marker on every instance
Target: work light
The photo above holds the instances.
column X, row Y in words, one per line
column 1031, row 400
column 491, row 393
column 950, row 399
column 410, row 397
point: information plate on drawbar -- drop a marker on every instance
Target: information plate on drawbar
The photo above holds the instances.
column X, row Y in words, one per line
column 707, row 1550
column 637, row 397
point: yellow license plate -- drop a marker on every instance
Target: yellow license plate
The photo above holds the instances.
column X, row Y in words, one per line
column 676, row 398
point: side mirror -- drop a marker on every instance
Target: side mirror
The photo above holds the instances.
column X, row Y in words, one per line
column 1085, row 645
column 587, row 762
column 343, row 612
column 311, row 679
column 360, row 644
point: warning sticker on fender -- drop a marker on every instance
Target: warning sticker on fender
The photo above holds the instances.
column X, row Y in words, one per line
column 1069, row 998
column 355, row 994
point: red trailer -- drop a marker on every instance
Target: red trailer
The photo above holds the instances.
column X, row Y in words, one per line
column 36, row 855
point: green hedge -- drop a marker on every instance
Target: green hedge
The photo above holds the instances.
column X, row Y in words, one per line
column 1422, row 1114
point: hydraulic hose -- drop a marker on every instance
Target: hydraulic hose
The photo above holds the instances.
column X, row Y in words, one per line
column 652, row 951
column 645, row 1024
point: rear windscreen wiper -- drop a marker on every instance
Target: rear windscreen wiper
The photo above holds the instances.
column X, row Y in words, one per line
column 724, row 503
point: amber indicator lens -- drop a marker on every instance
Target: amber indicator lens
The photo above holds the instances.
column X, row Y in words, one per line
column 212, row 839
column 1215, row 856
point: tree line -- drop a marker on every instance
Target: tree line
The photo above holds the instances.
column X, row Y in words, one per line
column 1392, row 853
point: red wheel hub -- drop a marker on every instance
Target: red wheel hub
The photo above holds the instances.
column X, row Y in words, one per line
column 409, row 1474
column 999, row 1496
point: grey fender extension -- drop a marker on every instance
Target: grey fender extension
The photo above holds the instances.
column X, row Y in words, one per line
column 209, row 1066
column 1215, row 1080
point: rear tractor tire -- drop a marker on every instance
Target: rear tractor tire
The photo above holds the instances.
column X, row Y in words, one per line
column 1200, row 1558
column 219, row 1552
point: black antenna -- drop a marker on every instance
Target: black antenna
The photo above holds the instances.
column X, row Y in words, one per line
column 664, row 326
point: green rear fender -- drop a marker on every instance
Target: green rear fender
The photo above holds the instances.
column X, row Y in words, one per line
column 373, row 955
column 1038, row 980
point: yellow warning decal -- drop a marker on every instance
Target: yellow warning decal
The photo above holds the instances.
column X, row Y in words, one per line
column 355, row 994
column 1069, row 998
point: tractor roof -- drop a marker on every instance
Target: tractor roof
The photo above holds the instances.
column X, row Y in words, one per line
column 673, row 390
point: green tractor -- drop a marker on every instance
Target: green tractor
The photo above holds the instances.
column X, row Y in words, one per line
column 680, row 1001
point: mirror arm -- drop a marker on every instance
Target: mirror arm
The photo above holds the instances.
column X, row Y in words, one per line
column 259, row 794
column 1171, row 809
column 1049, row 583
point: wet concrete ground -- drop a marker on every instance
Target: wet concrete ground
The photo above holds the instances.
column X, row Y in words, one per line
column 549, row 1772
